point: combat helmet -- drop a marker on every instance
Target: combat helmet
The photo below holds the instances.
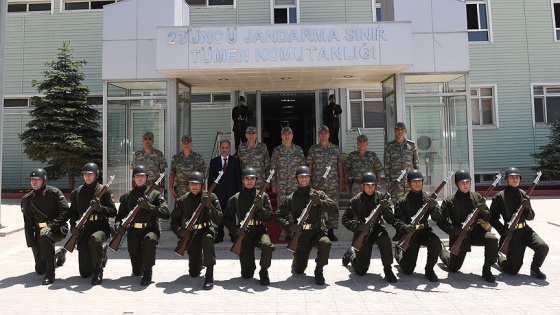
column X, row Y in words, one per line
column 368, row 178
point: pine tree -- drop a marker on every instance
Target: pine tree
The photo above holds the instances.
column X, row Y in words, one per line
column 63, row 133
column 549, row 156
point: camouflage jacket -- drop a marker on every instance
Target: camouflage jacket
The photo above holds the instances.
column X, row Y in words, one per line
column 356, row 164
column 398, row 157
column 319, row 158
column 285, row 161
column 182, row 166
column 256, row 157
column 155, row 162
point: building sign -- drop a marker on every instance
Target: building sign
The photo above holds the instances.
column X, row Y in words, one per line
column 282, row 46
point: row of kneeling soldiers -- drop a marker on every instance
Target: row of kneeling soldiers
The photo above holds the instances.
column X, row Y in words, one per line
column 46, row 213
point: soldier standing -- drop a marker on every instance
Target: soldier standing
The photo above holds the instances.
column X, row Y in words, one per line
column 405, row 209
column 91, row 245
column 240, row 115
column 152, row 158
column 285, row 160
column 143, row 233
column 331, row 114
column 204, row 230
column 320, row 156
column 400, row 154
column 311, row 233
column 256, row 235
column 455, row 210
column 359, row 162
column 45, row 216
column 182, row 165
column 505, row 204
column 254, row 154
column 354, row 219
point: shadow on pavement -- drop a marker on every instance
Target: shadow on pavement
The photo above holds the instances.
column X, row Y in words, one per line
column 241, row 284
column 126, row 283
column 183, row 284
column 301, row 282
column 28, row 280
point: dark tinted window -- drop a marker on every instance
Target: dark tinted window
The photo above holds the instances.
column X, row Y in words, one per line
column 16, row 102
column 17, row 7
column 100, row 4
column 76, row 6
column 280, row 16
column 39, row 7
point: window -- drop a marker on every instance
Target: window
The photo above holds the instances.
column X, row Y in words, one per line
column 366, row 109
column 485, row 178
column 16, row 102
column 377, row 9
column 483, row 106
column 556, row 11
column 546, row 103
column 285, row 11
column 72, row 5
column 211, row 98
column 477, row 21
column 30, row 6
column 210, row 3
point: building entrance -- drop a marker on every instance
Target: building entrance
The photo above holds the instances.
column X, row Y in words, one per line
column 288, row 109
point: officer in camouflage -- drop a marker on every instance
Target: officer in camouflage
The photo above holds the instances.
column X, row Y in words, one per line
column 400, row 154
column 143, row 234
column 152, row 158
column 285, row 160
column 311, row 233
column 92, row 249
column 182, row 165
column 359, row 162
column 254, row 154
column 320, row 156
column 45, row 216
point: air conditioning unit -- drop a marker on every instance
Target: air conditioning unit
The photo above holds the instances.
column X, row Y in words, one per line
column 428, row 143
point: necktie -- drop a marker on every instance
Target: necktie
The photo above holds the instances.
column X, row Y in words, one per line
column 224, row 166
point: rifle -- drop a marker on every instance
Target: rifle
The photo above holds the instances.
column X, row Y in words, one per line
column 236, row 247
column 471, row 220
column 183, row 243
column 512, row 225
column 404, row 242
column 71, row 243
column 292, row 246
column 116, row 241
column 374, row 214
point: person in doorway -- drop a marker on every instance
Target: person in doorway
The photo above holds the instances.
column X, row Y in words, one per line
column 331, row 118
column 240, row 115
column 150, row 157
column 182, row 165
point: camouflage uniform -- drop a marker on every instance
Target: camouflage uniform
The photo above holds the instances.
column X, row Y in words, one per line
column 182, row 166
column 285, row 161
column 155, row 162
column 256, row 157
column 356, row 165
column 319, row 158
column 398, row 157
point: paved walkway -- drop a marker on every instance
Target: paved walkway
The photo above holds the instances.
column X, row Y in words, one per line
column 345, row 293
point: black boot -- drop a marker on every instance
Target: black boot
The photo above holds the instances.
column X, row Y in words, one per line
column 146, row 277
column 60, row 257
column 209, row 278
column 104, row 260
column 264, row 279
column 97, row 275
column 389, row 275
column 487, row 274
column 535, row 272
column 49, row 274
column 331, row 236
column 347, row 257
column 431, row 275
column 319, row 278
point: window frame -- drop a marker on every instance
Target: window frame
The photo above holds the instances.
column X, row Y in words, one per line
column 478, row 175
column 62, row 5
column 376, row 4
column 488, row 19
column 555, row 30
column 362, row 114
column 495, row 116
column 207, row 5
column 28, row 2
column 544, row 86
column 273, row 6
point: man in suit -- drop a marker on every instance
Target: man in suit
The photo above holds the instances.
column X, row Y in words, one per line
column 230, row 183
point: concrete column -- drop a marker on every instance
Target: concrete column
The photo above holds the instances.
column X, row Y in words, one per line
column 3, row 17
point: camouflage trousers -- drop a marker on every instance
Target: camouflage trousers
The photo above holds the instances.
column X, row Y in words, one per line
column 331, row 219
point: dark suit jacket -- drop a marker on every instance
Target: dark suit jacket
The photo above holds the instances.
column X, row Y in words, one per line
column 230, row 183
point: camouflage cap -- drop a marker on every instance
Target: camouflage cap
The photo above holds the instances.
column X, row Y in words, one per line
column 362, row 137
column 323, row 128
column 149, row 134
column 286, row 130
column 186, row 138
column 251, row 129
column 400, row 124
